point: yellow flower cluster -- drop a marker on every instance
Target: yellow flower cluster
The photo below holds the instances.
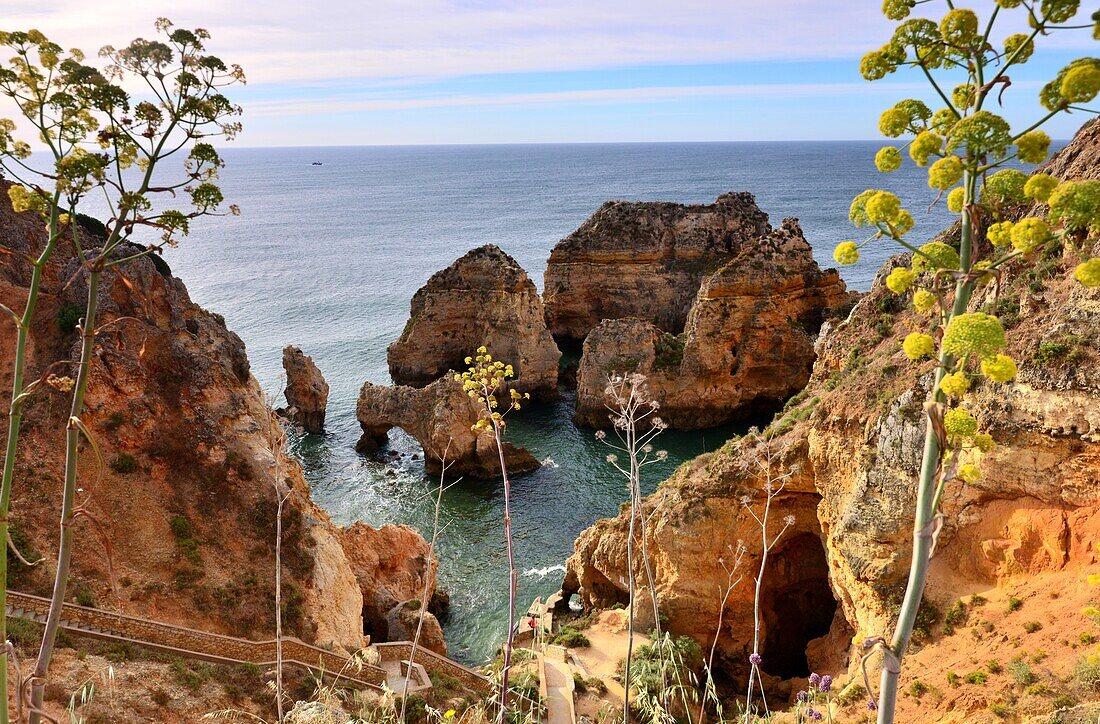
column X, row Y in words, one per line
column 924, row 145
column 1076, row 204
column 918, row 345
column 956, row 199
column 973, row 333
column 945, row 173
column 969, row 473
column 1088, row 272
column 1040, row 186
column 900, row 279
column 1029, row 234
column 955, row 384
column 888, row 159
column 1032, row 147
column 999, row 368
column 935, row 255
column 924, row 301
column 846, row 253
column 482, row 381
column 960, row 425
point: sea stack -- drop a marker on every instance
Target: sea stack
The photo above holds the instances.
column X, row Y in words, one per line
column 644, row 259
column 440, row 417
column 483, row 299
column 717, row 309
column 306, row 390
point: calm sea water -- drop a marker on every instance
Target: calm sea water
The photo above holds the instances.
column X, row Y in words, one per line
column 327, row 257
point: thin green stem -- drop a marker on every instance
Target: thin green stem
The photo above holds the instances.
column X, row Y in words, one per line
column 68, row 504
column 15, row 419
column 926, row 492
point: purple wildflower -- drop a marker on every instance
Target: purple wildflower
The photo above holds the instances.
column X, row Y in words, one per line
column 814, row 680
column 755, row 659
column 803, row 697
column 872, row 705
column 817, row 716
column 810, row 712
column 826, row 683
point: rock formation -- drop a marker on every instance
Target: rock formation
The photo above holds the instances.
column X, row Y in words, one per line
column 645, row 260
column 393, row 567
column 440, row 417
column 483, row 298
column 748, row 341
column 187, row 497
column 1022, row 536
column 306, row 390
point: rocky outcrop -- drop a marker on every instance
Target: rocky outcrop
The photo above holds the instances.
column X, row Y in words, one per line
column 187, row 497
column 747, row 344
column 393, row 566
column 306, row 391
column 482, row 299
column 644, row 260
column 853, row 439
column 403, row 620
column 440, row 417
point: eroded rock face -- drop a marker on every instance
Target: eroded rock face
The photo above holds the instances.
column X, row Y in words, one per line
column 483, row 299
column 403, row 620
column 187, row 498
column 748, row 342
column 855, row 437
column 392, row 565
column 440, row 417
column 306, row 390
column 644, row 260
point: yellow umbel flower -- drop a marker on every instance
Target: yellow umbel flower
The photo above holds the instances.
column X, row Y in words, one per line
column 846, row 253
column 900, row 279
column 883, row 207
column 973, row 333
column 1029, row 234
column 1081, row 84
column 935, row 255
column 1033, row 147
column 955, row 384
column 1088, row 272
column 945, row 173
column 1040, row 186
column 969, row 473
column 955, row 200
column 924, row 145
column 959, row 424
column 924, row 301
column 999, row 368
column 918, row 345
column 1000, row 234
column 888, row 159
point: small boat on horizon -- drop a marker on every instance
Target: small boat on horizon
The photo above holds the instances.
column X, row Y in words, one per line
column 317, row 163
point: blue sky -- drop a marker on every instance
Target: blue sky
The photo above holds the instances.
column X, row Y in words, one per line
column 502, row 71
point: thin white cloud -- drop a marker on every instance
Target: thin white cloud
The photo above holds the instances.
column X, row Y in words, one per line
column 574, row 97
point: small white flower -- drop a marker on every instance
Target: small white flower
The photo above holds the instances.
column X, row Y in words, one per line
column 662, row 454
column 647, row 448
column 612, row 458
column 600, row 434
column 789, row 520
column 746, row 501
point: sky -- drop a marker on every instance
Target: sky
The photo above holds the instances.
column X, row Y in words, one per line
column 382, row 72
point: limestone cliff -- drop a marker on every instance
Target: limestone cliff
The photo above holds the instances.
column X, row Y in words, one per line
column 748, row 341
column 645, row 260
column 440, row 417
column 306, row 390
column 394, row 569
column 1022, row 536
column 484, row 298
column 186, row 505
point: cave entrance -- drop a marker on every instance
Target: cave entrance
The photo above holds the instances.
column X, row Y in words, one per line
column 797, row 605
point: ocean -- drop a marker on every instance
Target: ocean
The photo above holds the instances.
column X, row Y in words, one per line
column 328, row 257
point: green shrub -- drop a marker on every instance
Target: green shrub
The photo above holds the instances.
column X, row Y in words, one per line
column 186, row 541
column 669, row 351
column 1015, row 604
column 977, row 677
column 1032, row 626
column 570, row 638
column 68, row 317
column 918, row 689
column 1049, row 353
column 993, row 666
column 1000, row 709
column 952, row 678
column 416, row 709
column 124, row 464
column 1087, row 672
column 956, row 616
column 1021, row 673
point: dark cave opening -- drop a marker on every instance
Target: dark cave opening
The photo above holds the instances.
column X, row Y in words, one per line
column 797, row 605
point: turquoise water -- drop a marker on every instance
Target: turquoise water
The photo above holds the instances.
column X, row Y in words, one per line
column 328, row 257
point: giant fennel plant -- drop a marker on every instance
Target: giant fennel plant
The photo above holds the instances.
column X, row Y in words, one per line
column 971, row 153
column 105, row 131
